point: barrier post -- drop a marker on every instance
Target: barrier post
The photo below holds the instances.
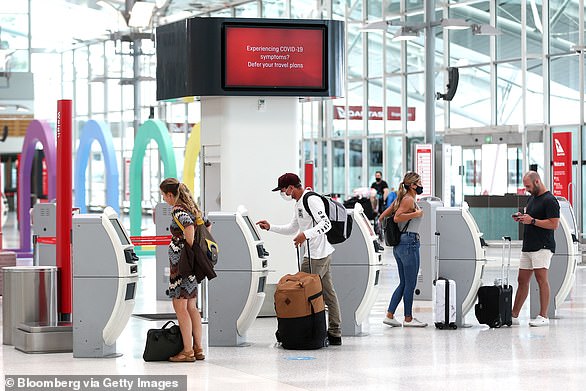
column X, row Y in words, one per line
column 64, row 195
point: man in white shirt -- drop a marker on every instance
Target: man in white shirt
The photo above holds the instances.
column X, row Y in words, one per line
column 318, row 248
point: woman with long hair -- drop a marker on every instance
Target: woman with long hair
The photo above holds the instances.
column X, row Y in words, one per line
column 408, row 216
column 183, row 289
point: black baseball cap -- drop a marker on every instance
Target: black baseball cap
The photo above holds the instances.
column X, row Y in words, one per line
column 287, row 179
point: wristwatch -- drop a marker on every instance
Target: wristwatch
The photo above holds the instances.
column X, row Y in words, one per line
column 532, row 221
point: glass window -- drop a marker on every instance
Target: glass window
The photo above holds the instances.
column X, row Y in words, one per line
column 508, row 94
column 563, row 26
column 355, row 169
column 273, row 9
column 394, row 101
column 248, row 10
column 356, row 108
column 375, row 8
column 376, row 112
column 339, row 167
column 564, row 97
column 471, row 104
column 394, row 161
column 534, row 91
column 375, row 54
column 416, row 99
column 375, row 157
column 354, row 52
column 325, row 166
column 508, row 22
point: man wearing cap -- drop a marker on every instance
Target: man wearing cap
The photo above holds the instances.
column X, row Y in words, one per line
column 319, row 249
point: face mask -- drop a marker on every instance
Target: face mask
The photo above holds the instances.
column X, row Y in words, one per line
column 286, row 196
column 419, row 190
column 378, row 179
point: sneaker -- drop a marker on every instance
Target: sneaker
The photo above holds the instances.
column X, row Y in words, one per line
column 333, row 340
column 515, row 321
column 391, row 322
column 539, row 321
column 414, row 323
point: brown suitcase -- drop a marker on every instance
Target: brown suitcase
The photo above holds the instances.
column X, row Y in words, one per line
column 298, row 295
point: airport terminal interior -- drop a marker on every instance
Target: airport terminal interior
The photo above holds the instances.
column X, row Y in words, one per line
column 101, row 100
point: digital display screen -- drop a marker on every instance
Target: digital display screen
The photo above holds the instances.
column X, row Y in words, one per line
column 252, row 228
column 274, row 57
column 120, row 231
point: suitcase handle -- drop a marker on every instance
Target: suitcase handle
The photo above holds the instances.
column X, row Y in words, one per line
column 506, row 241
column 437, row 240
column 299, row 257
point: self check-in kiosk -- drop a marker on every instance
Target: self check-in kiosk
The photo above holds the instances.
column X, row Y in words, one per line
column 562, row 270
column 162, row 220
column 105, row 277
column 356, row 267
column 427, row 250
column 44, row 224
column 236, row 295
column 461, row 255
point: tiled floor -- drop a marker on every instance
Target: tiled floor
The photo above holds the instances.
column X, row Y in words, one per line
column 476, row 358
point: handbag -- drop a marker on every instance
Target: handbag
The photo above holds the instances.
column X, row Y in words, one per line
column 204, row 239
column 163, row 343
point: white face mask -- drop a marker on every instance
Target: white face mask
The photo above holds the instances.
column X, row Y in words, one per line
column 286, row 196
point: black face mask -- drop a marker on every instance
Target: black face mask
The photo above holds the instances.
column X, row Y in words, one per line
column 419, row 190
column 378, row 179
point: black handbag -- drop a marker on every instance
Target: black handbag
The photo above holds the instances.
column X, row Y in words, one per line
column 163, row 343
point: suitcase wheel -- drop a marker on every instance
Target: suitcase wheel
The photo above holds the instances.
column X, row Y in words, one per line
column 496, row 324
column 454, row 326
column 439, row 326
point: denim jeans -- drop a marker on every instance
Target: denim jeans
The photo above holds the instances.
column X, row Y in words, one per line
column 407, row 256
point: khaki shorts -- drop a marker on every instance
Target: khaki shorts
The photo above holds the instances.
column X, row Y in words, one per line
column 535, row 259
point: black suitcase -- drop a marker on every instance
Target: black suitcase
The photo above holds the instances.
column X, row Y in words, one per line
column 495, row 302
column 301, row 315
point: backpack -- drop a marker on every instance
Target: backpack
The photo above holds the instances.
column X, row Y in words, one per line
column 338, row 215
column 392, row 231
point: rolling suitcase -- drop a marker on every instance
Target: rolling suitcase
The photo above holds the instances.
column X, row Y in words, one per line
column 495, row 302
column 444, row 296
column 300, row 308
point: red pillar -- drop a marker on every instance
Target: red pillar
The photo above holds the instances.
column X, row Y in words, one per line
column 64, row 195
column 308, row 174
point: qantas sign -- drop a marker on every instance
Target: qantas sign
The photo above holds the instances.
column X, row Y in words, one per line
column 374, row 113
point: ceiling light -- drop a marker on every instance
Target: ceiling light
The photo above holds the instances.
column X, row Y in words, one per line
column 406, row 34
column 141, row 14
column 484, row 29
column 380, row 25
column 455, row 24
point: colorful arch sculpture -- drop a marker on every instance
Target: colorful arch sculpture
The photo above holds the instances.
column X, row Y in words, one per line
column 191, row 154
column 100, row 131
column 37, row 131
column 155, row 130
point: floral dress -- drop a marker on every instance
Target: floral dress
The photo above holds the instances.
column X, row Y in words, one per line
column 179, row 286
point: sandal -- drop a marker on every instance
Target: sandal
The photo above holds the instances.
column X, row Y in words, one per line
column 183, row 357
column 199, row 354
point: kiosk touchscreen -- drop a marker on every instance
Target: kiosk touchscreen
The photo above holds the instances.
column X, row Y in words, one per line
column 105, row 274
column 461, row 255
column 356, row 267
column 562, row 270
column 236, row 295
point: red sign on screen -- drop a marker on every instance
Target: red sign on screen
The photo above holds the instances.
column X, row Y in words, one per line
column 270, row 57
column 562, row 164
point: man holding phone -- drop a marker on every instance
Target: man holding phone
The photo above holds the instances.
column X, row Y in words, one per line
column 541, row 218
